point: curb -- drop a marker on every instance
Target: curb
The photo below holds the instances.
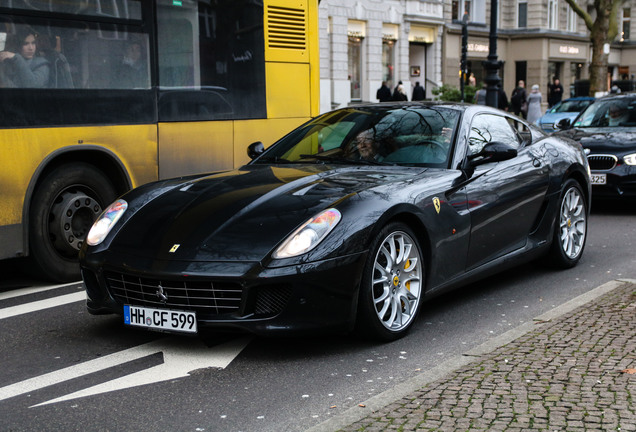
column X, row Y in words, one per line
column 387, row 397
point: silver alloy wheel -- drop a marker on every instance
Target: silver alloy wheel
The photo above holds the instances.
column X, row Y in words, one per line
column 397, row 281
column 572, row 223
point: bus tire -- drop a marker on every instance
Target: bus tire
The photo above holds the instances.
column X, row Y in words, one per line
column 64, row 206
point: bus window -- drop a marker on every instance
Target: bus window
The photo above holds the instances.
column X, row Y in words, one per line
column 65, row 56
column 211, row 60
column 128, row 9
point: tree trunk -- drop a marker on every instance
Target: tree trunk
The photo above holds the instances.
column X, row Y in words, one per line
column 599, row 36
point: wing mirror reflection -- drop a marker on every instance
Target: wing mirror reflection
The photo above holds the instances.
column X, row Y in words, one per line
column 563, row 124
column 255, row 149
column 495, row 151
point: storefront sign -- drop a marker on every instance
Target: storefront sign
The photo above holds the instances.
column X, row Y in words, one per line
column 566, row 49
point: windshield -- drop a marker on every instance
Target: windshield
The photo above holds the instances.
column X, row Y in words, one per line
column 570, row 106
column 419, row 136
column 609, row 113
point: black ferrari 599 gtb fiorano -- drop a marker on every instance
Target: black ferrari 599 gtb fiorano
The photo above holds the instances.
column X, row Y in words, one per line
column 348, row 222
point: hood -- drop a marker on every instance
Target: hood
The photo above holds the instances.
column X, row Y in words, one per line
column 552, row 118
column 241, row 214
column 598, row 140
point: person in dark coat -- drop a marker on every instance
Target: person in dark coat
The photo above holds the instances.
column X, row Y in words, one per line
column 384, row 93
column 418, row 92
column 399, row 94
column 555, row 93
column 519, row 100
column 502, row 99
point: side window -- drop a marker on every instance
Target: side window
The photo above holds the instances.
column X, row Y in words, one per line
column 72, row 54
column 211, row 60
column 489, row 127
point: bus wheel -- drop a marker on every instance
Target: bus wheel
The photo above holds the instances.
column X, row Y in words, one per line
column 65, row 204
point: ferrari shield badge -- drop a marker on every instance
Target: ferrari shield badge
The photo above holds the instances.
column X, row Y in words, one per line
column 174, row 247
column 437, row 204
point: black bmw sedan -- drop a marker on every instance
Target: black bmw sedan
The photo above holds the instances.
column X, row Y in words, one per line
column 607, row 130
column 347, row 223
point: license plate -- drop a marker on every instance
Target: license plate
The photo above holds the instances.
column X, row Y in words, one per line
column 599, row 179
column 161, row 319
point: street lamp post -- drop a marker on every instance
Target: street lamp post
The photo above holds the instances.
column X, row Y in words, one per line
column 492, row 65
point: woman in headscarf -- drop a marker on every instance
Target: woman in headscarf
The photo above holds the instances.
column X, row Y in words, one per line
column 534, row 104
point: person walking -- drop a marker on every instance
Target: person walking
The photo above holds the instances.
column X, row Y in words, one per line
column 480, row 95
column 384, row 93
column 534, row 104
column 399, row 94
column 418, row 92
column 518, row 100
column 555, row 92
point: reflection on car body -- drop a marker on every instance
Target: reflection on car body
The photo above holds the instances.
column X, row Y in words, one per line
column 314, row 234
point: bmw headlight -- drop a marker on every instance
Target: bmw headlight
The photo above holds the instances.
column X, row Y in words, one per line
column 630, row 159
column 105, row 222
column 309, row 235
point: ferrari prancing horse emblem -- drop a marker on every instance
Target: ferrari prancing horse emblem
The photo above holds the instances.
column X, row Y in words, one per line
column 437, row 204
column 174, row 247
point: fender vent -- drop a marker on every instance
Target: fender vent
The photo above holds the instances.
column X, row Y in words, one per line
column 286, row 28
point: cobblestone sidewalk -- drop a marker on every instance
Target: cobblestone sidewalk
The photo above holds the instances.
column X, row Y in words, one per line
column 575, row 373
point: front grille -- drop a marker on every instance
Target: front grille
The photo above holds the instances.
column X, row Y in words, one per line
column 203, row 296
column 286, row 28
column 602, row 162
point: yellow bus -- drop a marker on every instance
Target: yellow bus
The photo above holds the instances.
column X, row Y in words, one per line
column 100, row 96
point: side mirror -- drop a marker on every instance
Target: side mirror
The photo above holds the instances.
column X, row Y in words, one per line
column 495, row 151
column 563, row 124
column 255, row 149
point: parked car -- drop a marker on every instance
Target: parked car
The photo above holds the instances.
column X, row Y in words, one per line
column 607, row 130
column 348, row 222
column 568, row 108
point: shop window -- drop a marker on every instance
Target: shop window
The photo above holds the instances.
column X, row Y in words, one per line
column 388, row 64
column 355, row 67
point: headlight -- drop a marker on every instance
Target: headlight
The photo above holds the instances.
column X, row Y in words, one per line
column 309, row 234
column 105, row 222
column 630, row 159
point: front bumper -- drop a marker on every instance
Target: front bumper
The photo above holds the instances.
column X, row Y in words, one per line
column 620, row 182
column 318, row 296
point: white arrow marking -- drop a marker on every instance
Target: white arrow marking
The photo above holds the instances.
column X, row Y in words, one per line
column 42, row 304
column 181, row 356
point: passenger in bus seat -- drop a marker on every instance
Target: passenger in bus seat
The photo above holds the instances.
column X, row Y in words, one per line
column 22, row 67
column 133, row 72
column 50, row 47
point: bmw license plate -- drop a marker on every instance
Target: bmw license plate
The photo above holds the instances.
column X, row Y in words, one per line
column 160, row 319
column 599, row 179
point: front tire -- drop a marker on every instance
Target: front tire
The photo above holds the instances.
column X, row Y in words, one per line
column 570, row 231
column 65, row 205
column 392, row 284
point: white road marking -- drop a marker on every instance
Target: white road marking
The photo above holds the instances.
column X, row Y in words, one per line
column 32, row 290
column 42, row 304
column 181, row 356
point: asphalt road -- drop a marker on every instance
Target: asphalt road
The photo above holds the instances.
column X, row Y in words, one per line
column 239, row 383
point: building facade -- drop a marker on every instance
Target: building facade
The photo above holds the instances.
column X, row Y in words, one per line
column 365, row 42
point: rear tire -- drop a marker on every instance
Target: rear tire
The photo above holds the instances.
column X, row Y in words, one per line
column 65, row 204
column 570, row 227
column 392, row 284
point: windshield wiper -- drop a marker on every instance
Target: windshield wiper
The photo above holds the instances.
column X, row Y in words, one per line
column 340, row 159
column 274, row 159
